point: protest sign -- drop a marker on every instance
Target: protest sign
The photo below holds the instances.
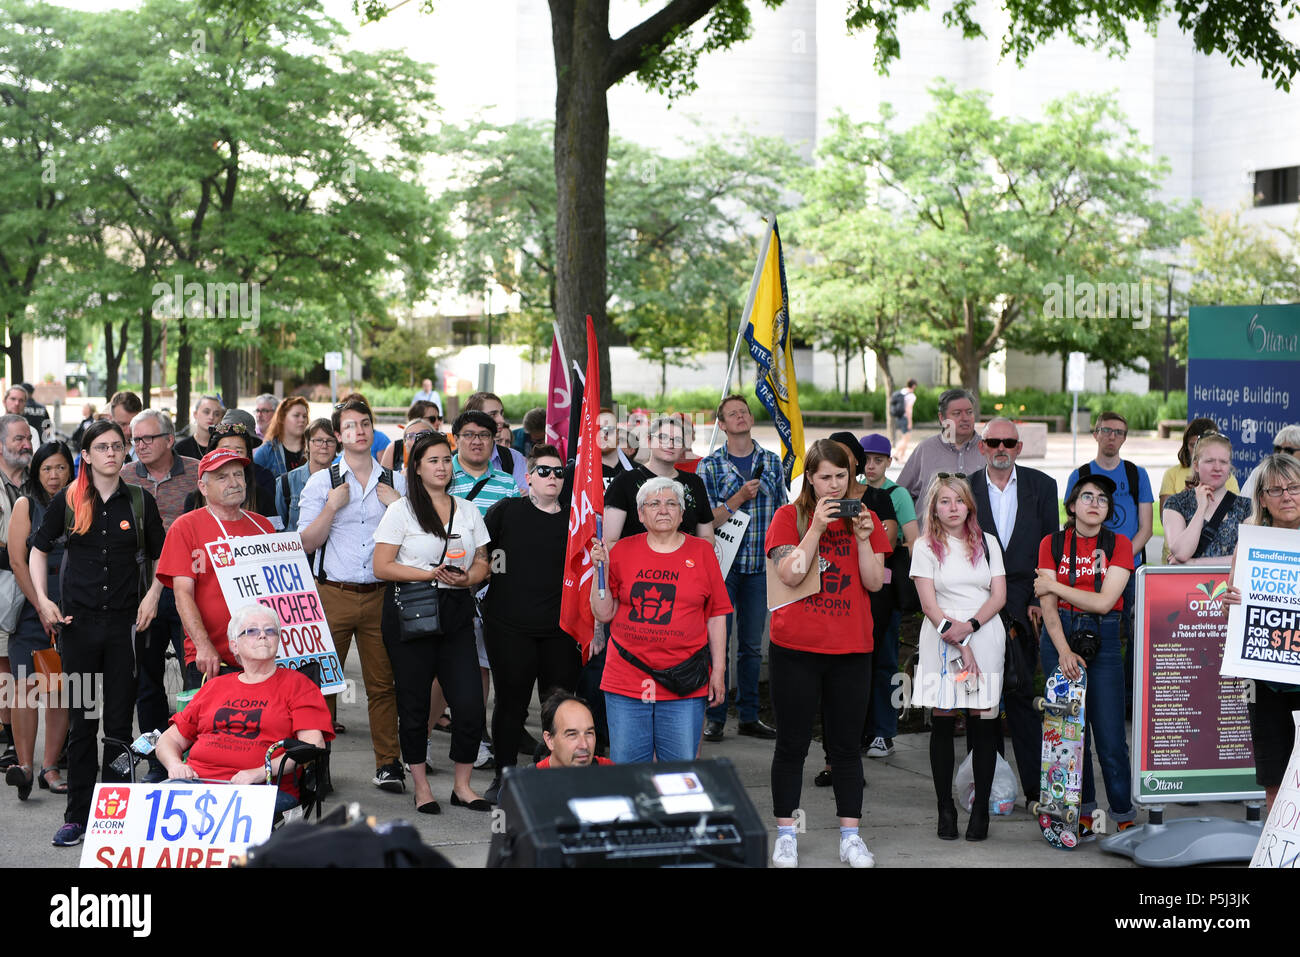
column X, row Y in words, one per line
column 1191, row 726
column 727, row 539
column 179, row 824
column 273, row 570
column 1279, row 842
column 1264, row 630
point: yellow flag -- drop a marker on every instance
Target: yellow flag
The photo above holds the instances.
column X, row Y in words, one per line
column 767, row 334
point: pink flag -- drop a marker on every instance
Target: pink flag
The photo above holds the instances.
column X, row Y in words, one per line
column 558, row 399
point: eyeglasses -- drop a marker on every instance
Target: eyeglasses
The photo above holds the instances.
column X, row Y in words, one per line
column 669, row 505
column 948, row 475
column 546, row 471
column 1094, row 498
column 323, row 443
column 476, row 436
column 1002, row 443
column 147, row 439
column 1107, row 430
column 103, row 447
column 259, row 633
column 1284, row 449
column 667, row 438
column 1275, row 491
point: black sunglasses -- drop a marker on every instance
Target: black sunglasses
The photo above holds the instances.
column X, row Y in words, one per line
column 1283, row 449
column 546, row 471
column 1002, row 443
column 948, row 475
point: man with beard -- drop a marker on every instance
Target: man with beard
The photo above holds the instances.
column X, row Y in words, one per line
column 15, row 457
column 1017, row 505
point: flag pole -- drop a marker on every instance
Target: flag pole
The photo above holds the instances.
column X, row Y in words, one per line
column 744, row 319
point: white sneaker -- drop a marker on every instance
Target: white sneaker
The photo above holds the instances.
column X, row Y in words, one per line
column 880, row 747
column 428, row 755
column 785, row 853
column 854, row 853
column 484, row 759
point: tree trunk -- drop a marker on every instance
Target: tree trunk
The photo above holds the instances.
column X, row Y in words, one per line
column 113, row 357
column 1110, row 374
column 228, row 376
column 835, row 367
column 580, row 37
column 848, row 357
column 882, row 360
column 968, row 364
column 663, row 377
column 146, row 356
column 15, row 353
column 184, row 370
column 1065, row 364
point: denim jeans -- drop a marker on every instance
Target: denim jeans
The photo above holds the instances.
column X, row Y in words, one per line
column 882, row 719
column 748, row 593
column 641, row 731
column 1104, row 712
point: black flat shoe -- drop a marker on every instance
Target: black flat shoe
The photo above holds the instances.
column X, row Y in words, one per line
column 823, row 779
column 757, row 729
column 22, row 779
column 429, row 807
column 478, row 804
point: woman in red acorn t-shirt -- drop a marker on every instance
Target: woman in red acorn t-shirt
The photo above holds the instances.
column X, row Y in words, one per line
column 821, row 645
column 233, row 720
column 1074, row 603
column 667, row 606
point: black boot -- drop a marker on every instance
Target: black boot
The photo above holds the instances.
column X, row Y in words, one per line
column 986, row 734
column 941, row 760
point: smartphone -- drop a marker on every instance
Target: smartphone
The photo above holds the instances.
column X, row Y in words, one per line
column 848, row 507
column 758, row 471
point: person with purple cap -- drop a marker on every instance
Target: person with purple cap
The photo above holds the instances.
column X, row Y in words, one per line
column 882, row 717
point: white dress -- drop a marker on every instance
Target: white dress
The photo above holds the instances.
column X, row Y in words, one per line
column 960, row 588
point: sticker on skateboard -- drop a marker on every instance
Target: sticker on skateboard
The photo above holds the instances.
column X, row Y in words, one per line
column 1061, row 776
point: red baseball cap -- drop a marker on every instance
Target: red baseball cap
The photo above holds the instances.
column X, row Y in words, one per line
column 219, row 457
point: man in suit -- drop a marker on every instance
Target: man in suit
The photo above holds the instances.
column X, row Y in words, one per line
column 1017, row 505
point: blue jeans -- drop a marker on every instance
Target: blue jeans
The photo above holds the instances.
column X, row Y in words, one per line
column 882, row 721
column 1104, row 712
column 748, row 593
column 641, row 731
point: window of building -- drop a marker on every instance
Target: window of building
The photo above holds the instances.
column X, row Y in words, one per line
column 1273, row 187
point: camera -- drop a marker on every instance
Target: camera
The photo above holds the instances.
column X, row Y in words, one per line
column 848, row 507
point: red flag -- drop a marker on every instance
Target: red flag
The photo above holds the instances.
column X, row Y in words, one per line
column 588, row 503
column 558, row 400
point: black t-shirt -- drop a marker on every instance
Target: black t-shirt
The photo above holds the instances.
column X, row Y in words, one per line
column 293, row 460
column 527, row 582
column 621, row 493
column 880, row 502
column 190, row 446
column 611, row 472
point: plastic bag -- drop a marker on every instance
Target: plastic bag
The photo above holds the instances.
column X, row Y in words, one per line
column 1002, row 799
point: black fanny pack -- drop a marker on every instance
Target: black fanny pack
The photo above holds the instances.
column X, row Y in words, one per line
column 681, row 679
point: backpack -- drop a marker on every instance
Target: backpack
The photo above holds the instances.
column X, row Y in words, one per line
column 336, row 479
column 136, row 494
column 1105, row 541
column 898, row 404
column 1130, row 473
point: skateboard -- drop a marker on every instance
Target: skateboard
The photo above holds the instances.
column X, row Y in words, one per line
column 1061, row 779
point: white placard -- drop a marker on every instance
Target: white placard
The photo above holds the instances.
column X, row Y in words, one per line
column 1264, row 630
column 333, row 361
column 180, row 824
column 727, row 538
column 1074, row 372
column 1279, row 842
column 273, row 570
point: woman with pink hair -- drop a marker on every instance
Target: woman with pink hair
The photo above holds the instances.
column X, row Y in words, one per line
column 962, row 586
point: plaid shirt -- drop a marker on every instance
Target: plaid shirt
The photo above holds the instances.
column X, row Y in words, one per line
column 723, row 480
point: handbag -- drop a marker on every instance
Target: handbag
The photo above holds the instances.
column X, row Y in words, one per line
column 419, row 606
column 48, row 663
column 684, row 678
column 1016, row 675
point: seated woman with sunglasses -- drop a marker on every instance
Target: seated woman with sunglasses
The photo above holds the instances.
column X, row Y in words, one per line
column 233, row 719
column 1080, row 608
column 1201, row 521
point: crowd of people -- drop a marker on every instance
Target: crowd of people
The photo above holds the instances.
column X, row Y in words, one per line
column 440, row 555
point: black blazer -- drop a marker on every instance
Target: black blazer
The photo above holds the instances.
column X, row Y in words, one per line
column 1037, row 516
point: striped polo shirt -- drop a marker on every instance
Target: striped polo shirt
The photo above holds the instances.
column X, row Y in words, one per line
column 499, row 485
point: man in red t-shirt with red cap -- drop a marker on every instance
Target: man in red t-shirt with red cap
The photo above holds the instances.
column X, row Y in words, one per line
column 186, row 564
